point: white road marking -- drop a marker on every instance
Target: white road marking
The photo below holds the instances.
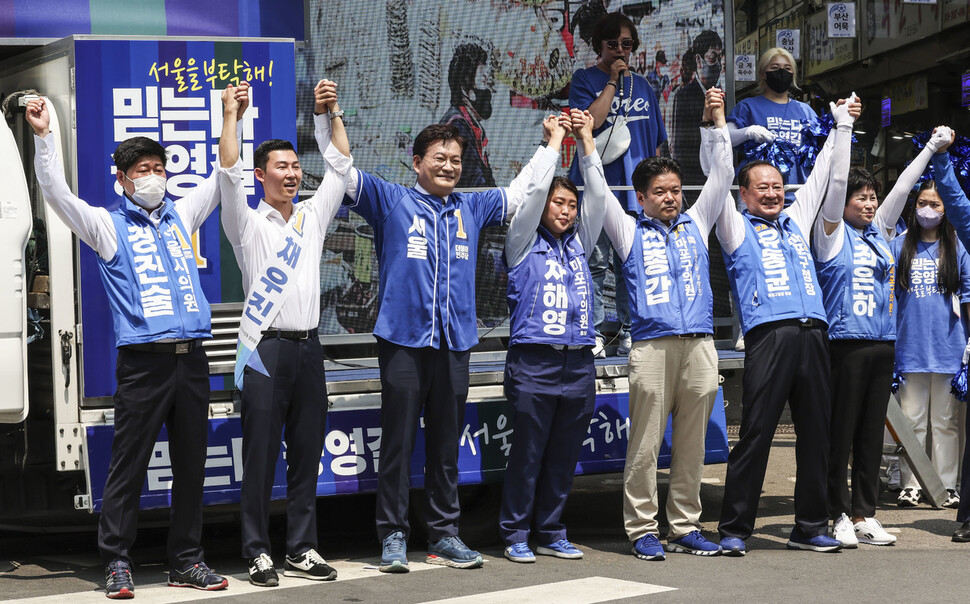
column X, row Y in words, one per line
column 238, row 585
column 578, row 591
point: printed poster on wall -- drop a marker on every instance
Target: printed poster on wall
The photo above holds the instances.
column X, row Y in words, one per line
column 398, row 65
column 169, row 90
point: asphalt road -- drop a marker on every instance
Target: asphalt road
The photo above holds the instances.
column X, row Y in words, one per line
column 923, row 566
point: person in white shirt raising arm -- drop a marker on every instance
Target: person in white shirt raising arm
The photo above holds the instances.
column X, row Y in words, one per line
column 279, row 362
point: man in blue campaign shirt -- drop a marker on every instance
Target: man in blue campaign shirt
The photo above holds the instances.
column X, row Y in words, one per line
column 426, row 237
column 160, row 316
column 673, row 363
column 772, row 273
column 612, row 93
column 958, row 212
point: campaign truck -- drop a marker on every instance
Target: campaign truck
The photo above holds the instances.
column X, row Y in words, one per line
column 57, row 343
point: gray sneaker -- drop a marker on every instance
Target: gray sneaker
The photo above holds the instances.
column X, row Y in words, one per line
column 451, row 551
column 394, row 554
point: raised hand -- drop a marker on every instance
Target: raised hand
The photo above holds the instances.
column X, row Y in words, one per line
column 941, row 139
column 242, row 98
column 325, row 97
column 38, row 117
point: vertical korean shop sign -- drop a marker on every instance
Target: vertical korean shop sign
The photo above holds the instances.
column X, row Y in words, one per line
column 169, row 90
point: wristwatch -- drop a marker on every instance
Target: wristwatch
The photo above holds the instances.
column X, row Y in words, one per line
column 340, row 114
column 707, row 124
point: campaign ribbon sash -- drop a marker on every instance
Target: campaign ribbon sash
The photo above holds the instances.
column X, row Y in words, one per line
column 269, row 291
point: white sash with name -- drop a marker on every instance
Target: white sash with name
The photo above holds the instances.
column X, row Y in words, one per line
column 269, row 291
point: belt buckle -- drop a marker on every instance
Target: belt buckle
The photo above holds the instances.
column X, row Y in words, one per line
column 183, row 347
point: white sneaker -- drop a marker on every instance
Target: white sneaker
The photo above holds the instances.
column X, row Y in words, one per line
column 599, row 351
column 952, row 499
column 626, row 344
column 842, row 530
column 871, row 532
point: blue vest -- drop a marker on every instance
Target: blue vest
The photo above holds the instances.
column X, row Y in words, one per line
column 667, row 275
column 858, row 287
column 773, row 273
column 550, row 294
column 152, row 282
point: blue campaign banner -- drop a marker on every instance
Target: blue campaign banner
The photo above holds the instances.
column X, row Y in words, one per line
column 169, row 90
column 351, row 455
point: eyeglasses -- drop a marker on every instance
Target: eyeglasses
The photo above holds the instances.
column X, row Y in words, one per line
column 439, row 161
column 627, row 44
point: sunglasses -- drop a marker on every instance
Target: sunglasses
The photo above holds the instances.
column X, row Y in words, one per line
column 614, row 44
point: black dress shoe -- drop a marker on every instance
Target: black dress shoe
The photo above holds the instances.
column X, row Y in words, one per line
column 962, row 534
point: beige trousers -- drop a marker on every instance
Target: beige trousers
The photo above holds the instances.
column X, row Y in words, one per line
column 678, row 377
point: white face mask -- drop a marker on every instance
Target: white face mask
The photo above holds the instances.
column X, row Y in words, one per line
column 149, row 191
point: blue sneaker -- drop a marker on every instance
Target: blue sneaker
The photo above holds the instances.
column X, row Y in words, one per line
column 452, row 551
column 732, row 546
column 560, row 549
column 693, row 543
column 520, row 552
column 117, row 580
column 818, row 543
column 394, row 555
column 648, row 548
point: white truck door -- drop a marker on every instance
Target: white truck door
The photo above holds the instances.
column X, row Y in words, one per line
column 15, row 227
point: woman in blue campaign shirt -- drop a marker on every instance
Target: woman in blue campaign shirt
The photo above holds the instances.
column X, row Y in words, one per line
column 932, row 286
column 549, row 372
column 773, row 114
column 857, row 270
column 613, row 94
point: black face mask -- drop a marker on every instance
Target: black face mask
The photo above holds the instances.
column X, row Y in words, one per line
column 778, row 80
column 709, row 74
column 481, row 102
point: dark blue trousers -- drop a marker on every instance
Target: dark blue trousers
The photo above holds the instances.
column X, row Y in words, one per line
column 412, row 379
column 553, row 393
column 156, row 388
column 294, row 395
column 782, row 362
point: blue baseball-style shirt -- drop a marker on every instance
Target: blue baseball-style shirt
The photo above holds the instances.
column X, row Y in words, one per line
column 646, row 125
column 427, row 249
